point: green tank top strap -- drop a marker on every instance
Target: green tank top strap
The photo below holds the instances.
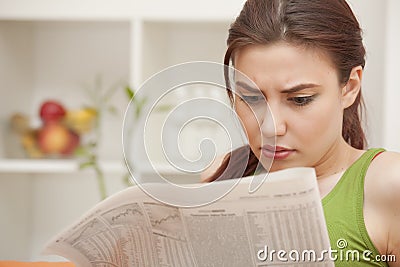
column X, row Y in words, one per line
column 343, row 209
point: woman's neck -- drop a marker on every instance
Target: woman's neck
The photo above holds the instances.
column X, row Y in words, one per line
column 337, row 160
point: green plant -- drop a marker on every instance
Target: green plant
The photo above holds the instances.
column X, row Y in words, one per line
column 100, row 100
column 138, row 105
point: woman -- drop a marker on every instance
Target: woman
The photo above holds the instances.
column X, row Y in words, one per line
column 306, row 59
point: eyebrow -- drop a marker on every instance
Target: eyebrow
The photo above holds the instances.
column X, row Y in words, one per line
column 248, row 87
column 293, row 89
column 299, row 88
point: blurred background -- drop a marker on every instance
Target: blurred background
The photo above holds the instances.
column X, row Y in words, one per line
column 67, row 71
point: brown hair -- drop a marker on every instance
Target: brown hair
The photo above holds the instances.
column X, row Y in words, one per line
column 327, row 25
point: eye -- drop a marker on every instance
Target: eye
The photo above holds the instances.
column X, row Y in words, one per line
column 251, row 99
column 302, row 100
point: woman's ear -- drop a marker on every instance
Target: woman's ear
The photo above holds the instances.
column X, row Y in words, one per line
column 352, row 88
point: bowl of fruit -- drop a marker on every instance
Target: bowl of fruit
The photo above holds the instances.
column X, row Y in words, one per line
column 60, row 131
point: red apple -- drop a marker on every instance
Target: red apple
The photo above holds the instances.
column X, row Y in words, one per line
column 74, row 141
column 54, row 138
column 51, row 110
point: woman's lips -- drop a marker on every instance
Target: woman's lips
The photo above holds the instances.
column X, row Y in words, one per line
column 276, row 152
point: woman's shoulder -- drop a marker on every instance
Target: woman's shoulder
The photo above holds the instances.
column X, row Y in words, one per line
column 382, row 188
column 384, row 173
column 387, row 164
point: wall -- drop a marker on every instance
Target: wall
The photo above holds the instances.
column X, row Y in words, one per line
column 391, row 121
column 372, row 17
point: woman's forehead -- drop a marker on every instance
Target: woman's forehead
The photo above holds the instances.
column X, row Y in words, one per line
column 282, row 65
column 280, row 53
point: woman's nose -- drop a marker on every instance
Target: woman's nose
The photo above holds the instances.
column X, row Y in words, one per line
column 272, row 122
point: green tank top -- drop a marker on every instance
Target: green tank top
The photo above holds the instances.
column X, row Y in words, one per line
column 343, row 209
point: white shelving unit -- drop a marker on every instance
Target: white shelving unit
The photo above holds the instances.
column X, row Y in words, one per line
column 53, row 50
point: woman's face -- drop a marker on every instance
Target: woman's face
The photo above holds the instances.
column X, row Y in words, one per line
column 304, row 121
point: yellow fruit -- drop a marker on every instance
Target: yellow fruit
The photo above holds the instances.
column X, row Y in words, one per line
column 19, row 123
column 81, row 120
column 29, row 143
column 28, row 140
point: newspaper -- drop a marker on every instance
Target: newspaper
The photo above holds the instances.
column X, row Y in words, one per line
column 281, row 224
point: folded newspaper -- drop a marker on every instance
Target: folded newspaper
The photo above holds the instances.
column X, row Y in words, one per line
column 281, row 224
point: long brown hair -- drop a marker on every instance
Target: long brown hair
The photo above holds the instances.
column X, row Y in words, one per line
column 327, row 25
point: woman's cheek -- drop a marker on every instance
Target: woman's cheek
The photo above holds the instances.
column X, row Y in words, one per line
column 319, row 124
column 249, row 122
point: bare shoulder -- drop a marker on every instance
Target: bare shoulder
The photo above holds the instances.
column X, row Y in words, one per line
column 383, row 187
column 384, row 176
column 389, row 159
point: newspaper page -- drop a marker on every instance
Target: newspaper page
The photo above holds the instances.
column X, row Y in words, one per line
column 281, row 224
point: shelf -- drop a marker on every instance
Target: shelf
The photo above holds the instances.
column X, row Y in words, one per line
column 52, row 166
column 120, row 9
column 70, row 166
column 167, row 43
column 64, row 61
column 57, row 51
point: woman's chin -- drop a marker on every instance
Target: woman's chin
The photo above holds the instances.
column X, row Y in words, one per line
column 278, row 166
column 273, row 165
column 269, row 166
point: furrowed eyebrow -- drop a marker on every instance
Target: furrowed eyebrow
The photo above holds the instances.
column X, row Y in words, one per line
column 286, row 91
column 299, row 88
column 248, row 87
